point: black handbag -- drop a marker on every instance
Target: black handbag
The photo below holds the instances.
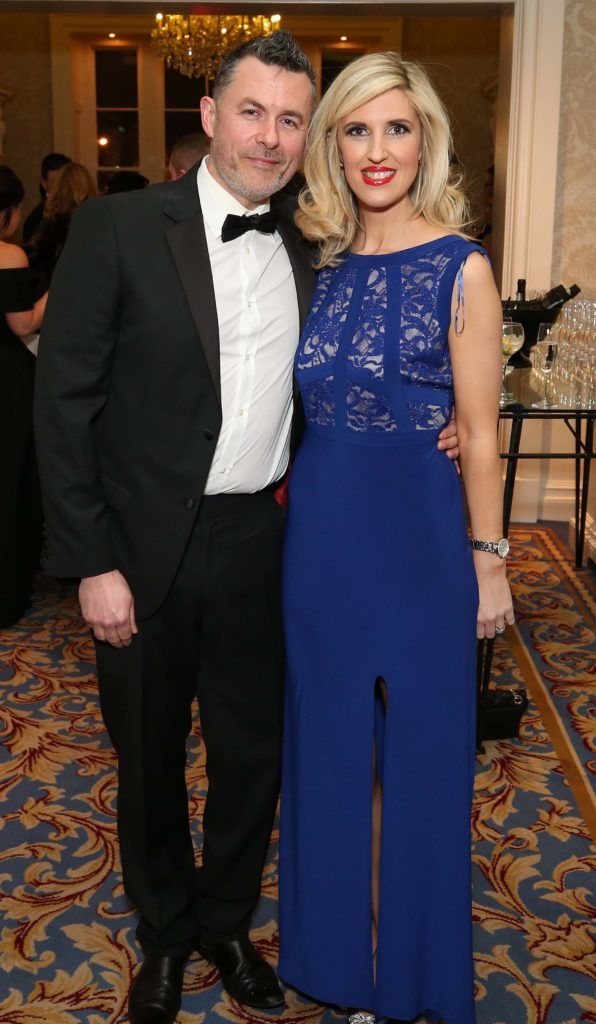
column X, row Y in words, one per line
column 499, row 710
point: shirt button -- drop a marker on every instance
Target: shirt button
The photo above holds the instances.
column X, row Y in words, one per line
column 241, row 413
column 208, row 435
column 189, row 503
column 247, row 251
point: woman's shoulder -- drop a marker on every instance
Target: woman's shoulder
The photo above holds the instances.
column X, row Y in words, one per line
column 16, row 293
column 456, row 241
column 462, row 254
column 426, row 233
column 12, row 257
column 434, row 233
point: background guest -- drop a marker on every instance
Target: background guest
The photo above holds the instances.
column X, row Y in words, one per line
column 72, row 186
column 50, row 165
column 186, row 153
column 126, row 181
column 20, row 504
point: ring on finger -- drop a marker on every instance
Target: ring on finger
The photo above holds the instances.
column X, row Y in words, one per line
column 499, row 629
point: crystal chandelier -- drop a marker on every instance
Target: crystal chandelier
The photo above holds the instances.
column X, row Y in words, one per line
column 195, row 44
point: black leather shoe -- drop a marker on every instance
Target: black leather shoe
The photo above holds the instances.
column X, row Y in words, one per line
column 244, row 974
column 156, row 992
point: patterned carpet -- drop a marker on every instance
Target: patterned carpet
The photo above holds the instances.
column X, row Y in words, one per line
column 67, row 946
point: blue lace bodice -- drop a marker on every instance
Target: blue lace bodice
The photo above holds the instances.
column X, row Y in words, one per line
column 373, row 360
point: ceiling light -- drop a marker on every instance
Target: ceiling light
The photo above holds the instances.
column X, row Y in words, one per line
column 195, row 44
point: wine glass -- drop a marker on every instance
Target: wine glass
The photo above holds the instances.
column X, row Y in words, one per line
column 512, row 339
column 546, row 353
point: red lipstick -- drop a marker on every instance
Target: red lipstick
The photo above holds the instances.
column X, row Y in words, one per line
column 377, row 176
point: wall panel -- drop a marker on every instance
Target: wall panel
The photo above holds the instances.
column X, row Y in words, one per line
column 25, row 72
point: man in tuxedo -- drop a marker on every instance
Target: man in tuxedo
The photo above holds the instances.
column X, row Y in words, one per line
column 164, row 410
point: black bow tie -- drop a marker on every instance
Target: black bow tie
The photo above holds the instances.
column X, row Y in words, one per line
column 234, row 226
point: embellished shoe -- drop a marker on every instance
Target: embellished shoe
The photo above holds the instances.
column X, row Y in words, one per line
column 361, row 1017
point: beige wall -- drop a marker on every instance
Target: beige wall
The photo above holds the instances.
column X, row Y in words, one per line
column 574, row 250
column 462, row 57
column 25, row 72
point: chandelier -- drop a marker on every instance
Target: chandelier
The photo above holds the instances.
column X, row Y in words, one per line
column 195, row 45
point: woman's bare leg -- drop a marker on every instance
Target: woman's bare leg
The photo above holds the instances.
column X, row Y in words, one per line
column 377, row 821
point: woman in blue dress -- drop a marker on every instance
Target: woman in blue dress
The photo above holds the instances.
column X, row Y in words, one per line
column 383, row 594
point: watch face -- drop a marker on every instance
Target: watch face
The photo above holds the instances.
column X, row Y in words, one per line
column 503, row 547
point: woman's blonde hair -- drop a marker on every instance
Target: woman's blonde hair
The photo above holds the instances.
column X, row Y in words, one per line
column 328, row 213
column 71, row 186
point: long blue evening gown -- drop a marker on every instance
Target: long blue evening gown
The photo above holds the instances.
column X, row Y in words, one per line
column 379, row 583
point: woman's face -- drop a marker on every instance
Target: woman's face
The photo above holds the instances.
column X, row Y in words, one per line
column 380, row 145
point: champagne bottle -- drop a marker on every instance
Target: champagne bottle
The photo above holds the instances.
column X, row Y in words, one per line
column 558, row 296
column 520, row 291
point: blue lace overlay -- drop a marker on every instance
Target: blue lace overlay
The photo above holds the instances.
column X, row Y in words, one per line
column 374, row 355
column 366, row 350
column 319, row 402
column 328, row 314
column 368, row 411
column 425, row 416
column 423, row 355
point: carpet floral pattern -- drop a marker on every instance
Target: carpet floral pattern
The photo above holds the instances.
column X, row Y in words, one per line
column 67, row 943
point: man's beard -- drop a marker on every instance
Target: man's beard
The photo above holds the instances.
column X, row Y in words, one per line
column 237, row 183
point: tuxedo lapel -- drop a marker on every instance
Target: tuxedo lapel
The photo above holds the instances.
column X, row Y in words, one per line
column 299, row 253
column 188, row 245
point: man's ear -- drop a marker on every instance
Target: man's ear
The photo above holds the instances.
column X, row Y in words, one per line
column 208, row 115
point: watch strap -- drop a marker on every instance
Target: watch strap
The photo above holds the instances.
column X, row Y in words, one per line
column 494, row 547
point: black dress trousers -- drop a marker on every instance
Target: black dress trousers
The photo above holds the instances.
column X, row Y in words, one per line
column 217, row 636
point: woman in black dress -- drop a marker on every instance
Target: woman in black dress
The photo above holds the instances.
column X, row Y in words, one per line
column 20, row 504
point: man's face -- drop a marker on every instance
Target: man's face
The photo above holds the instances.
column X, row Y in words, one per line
column 49, row 180
column 258, row 130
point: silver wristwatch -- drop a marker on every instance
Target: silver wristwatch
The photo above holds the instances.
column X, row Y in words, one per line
column 495, row 547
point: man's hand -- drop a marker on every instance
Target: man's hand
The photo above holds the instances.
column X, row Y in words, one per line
column 108, row 607
column 448, row 440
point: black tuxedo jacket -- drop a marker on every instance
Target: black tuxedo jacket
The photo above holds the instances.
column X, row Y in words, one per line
column 128, row 400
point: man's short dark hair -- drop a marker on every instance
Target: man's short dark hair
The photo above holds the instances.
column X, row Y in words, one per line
column 126, row 181
column 53, row 162
column 280, row 49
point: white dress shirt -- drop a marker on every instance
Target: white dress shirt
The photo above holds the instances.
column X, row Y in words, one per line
column 257, row 309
